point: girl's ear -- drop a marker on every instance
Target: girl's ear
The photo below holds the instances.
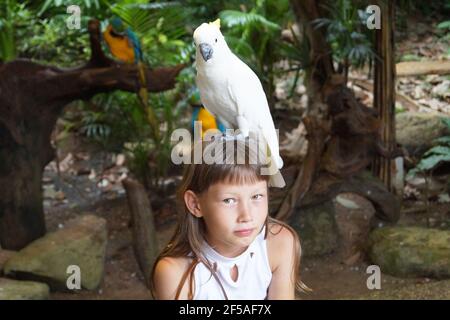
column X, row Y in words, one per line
column 192, row 203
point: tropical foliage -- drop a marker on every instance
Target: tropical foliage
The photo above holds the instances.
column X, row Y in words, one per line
column 437, row 155
column 254, row 29
column 347, row 34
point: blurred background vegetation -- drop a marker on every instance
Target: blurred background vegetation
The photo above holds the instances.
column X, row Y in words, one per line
column 261, row 32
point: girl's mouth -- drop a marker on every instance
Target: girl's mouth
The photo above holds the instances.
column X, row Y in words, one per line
column 244, row 232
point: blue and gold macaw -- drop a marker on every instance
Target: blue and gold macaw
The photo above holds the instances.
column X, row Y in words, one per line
column 124, row 45
column 122, row 42
column 201, row 114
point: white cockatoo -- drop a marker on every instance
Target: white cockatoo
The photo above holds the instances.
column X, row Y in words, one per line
column 232, row 92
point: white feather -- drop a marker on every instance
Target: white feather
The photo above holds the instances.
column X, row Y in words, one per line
column 232, row 92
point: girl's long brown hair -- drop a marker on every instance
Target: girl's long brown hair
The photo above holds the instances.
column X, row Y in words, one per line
column 190, row 231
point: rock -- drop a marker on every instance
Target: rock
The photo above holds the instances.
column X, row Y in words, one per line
column 23, row 290
column 5, row 255
column 442, row 90
column 82, row 242
column 433, row 185
column 411, row 251
column 345, row 202
column 437, row 290
column 416, row 131
column 316, row 228
column 354, row 225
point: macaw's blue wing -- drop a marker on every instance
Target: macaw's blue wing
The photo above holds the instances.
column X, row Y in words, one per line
column 132, row 37
column 220, row 126
column 194, row 118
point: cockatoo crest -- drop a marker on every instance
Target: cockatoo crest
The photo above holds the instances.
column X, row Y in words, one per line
column 215, row 23
column 210, row 43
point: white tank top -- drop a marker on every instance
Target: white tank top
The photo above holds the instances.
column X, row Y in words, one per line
column 254, row 273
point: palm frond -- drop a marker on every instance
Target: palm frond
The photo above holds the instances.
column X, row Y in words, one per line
column 156, row 5
column 232, row 18
column 164, row 18
column 50, row 6
column 240, row 47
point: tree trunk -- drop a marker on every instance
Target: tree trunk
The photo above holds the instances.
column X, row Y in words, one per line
column 384, row 90
column 343, row 134
column 22, row 215
column 145, row 245
column 31, row 98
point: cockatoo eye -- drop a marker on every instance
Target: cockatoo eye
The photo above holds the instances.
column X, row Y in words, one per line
column 216, row 40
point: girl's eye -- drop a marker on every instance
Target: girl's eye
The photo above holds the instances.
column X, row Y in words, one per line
column 216, row 40
column 229, row 201
column 257, row 196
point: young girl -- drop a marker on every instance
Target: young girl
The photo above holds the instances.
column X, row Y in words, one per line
column 225, row 245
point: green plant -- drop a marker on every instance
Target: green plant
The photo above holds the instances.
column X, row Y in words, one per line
column 444, row 27
column 159, row 26
column 297, row 53
column 44, row 37
column 436, row 155
column 148, row 163
column 347, row 34
column 92, row 8
column 14, row 18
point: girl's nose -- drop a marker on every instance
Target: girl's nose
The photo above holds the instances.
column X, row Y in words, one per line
column 245, row 213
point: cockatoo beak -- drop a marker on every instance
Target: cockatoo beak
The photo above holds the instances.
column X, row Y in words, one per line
column 206, row 50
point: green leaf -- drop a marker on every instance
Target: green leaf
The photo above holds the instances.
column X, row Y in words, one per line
column 446, row 121
column 321, row 22
column 232, row 18
column 443, row 140
column 44, row 7
column 431, row 162
column 438, row 150
column 444, row 25
column 143, row 20
column 240, row 47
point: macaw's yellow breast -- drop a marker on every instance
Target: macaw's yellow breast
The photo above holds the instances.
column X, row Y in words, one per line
column 120, row 46
column 207, row 119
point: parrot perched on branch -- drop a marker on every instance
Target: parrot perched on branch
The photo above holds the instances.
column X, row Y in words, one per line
column 122, row 42
column 232, row 92
column 124, row 45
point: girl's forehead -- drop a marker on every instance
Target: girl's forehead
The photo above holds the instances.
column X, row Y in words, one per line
column 237, row 187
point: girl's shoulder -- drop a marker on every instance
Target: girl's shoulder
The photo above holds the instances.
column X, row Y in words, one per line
column 281, row 243
column 174, row 263
column 279, row 234
column 169, row 272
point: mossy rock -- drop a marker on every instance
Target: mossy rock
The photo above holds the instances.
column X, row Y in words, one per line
column 437, row 290
column 411, row 251
column 417, row 130
column 317, row 229
column 81, row 243
column 5, row 255
column 23, row 290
